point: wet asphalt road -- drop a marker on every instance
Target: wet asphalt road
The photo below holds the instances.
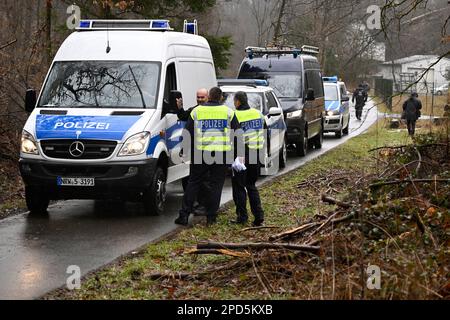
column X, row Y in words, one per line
column 35, row 252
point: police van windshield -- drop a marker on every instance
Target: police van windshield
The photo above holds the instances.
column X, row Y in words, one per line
column 286, row 85
column 255, row 100
column 101, row 84
column 331, row 93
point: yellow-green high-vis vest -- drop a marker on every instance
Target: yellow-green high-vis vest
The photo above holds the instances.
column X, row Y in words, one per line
column 252, row 123
column 213, row 128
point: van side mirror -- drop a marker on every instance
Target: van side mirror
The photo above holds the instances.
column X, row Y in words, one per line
column 170, row 107
column 30, row 100
column 345, row 99
column 275, row 112
column 310, row 96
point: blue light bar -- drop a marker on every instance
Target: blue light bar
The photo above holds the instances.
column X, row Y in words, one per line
column 85, row 24
column 151, row 25
column 159, row 24
column 262, row 83
column 259, row 52
column 190, row 27
column 330, row 79
column 243, row 82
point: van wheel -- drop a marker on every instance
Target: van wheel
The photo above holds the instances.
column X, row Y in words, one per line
column 155, row 197
column 302, row 145
column 340, row 133
column 37, row 202
column 318, row 140
column 283, row 155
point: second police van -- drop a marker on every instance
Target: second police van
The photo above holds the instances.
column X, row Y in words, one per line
column 295, row 75
column 104, row 125
column 337, row 107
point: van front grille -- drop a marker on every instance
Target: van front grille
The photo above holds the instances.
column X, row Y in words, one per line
column 77, row 171
column 87, row 149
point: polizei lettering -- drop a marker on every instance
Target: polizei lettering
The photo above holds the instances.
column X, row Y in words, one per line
column 213, row 124
column 83, row 125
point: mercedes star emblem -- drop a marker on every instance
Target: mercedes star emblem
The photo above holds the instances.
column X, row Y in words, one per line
column 76, row 149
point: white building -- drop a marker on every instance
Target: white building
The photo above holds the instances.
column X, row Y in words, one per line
column 409, row 70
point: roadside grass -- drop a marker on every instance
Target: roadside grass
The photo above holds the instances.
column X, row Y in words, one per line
column 285, row 204
column 430, row 107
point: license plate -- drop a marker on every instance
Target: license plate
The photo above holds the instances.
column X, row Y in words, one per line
column 75, row 182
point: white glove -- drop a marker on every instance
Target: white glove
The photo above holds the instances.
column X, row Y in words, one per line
column 238, row 166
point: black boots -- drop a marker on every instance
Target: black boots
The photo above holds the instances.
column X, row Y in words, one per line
column 258, row 223
column 182, row 220
column 210, row 221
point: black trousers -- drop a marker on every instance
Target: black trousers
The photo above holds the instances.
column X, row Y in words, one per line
column 202, row 194
column 244, row 184
column 200, row 173
column 411, row 127
column 359, row 111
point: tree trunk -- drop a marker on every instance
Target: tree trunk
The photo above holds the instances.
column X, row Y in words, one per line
column 277, row 32
column 48, row 31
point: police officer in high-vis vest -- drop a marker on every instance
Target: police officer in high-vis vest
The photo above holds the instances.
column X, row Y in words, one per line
column 253, row 132
column 211, row 129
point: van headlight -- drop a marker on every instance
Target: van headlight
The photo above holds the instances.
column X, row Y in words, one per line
column 295, row 114
column 135, row 145
column 333, row 113
column 28, row 144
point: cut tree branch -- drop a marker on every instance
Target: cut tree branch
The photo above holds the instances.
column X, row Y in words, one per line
column 8, row 44
column 338, row 203
column 256, row 246
column 390, row 183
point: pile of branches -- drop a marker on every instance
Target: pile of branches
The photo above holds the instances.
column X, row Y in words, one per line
column 397, row 220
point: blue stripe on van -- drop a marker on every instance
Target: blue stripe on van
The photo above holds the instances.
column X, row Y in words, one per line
column 83, row 127
column 173, row 143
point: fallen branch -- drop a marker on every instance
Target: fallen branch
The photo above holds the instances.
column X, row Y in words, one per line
column 8, row 44
column 219, row 252
column 174, row 276
column 390, row 183
column 294, row 232
column 259, row 228
column 185, row 275
column 344, row 219
column 419, row 165
column 323, row 225
column 256, row 246
column 407, row 146
column 260, row 278
column 338, row 203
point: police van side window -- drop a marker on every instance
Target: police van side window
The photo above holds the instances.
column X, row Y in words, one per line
column 171, row 84
column 271, row 102
column 314, row 81
column 171, row 81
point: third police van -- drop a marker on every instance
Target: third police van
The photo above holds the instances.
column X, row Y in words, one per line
column 104, row 125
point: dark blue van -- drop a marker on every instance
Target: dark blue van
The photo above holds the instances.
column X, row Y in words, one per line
column 295, row 75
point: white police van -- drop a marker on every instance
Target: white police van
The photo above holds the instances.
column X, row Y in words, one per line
column 104, row 125
column 337, row 107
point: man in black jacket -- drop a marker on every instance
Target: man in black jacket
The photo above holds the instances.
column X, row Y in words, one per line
column 184, row 115
column 253, row 138
column 360, row 97
column 202, row 98
column 210, row 127
column 411, row 112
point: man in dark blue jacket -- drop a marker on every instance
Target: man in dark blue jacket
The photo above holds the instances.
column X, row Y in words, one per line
column 412, row 112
